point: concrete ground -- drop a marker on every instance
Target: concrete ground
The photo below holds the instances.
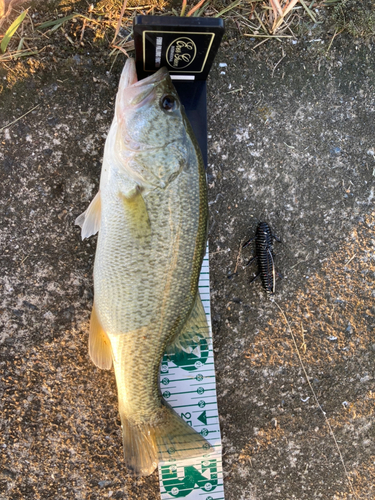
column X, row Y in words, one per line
column 291, row 142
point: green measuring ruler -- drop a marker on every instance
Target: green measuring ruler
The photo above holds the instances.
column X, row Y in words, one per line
column 187, row 382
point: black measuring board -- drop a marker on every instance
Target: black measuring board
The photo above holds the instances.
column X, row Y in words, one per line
column 186, row 46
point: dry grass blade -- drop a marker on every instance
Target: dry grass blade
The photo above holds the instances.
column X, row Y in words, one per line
column 276, row 7
column 261, row 22
column 308, row 10
column 121, row 49
column 127, row 45
column 195, row 8
column 230, row 7
column 19, row 118
column 285, row 11
column 183, row 8
column 276, row 65
column 10, row 56
column 332, row 39
column 119, row 21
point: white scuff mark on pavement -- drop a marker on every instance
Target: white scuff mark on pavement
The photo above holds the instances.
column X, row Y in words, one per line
column 219, row 195
column 242, row 135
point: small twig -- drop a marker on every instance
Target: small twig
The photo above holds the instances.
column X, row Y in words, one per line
column 303, row 345
column 268, row 36
column 300, row 262
column 334, row 36
column 31, row 22
column 351, row 258
column 239, row 255
column 235, row 90
column 23, row 260
column 68, row 38
column 276, row 65
column 18, row 119
column 83, row 30
column 261, row 43
column 261, row 23
column 317, row 402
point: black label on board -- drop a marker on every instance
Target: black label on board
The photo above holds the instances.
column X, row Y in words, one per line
column 178, row 53
column 185, row 46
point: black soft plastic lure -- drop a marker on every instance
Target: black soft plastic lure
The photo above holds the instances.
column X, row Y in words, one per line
column 264, row 254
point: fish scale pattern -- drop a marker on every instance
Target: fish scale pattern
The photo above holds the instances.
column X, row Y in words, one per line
column 145, row 286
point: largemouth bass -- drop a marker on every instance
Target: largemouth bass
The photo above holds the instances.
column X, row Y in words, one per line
column 151, row 214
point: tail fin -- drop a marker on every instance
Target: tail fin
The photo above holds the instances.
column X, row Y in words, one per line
column 170, row 439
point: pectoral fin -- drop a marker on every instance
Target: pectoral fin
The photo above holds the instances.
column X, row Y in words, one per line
column 136, row 209
column 100, row 348
column 194, row 330
column 90, row 219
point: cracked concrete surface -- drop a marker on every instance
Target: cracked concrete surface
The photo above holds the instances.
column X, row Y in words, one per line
column 291, row 145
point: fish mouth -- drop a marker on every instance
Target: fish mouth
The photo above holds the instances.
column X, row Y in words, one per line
column 153, row 79
column 134, row 92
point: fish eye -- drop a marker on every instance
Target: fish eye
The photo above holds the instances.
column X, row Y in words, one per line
column 168, row 102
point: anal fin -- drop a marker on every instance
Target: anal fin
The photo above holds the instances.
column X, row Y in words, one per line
column 194, row 330
column 100, row 348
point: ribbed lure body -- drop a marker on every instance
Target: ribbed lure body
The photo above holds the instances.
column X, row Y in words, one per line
column 264, row 252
